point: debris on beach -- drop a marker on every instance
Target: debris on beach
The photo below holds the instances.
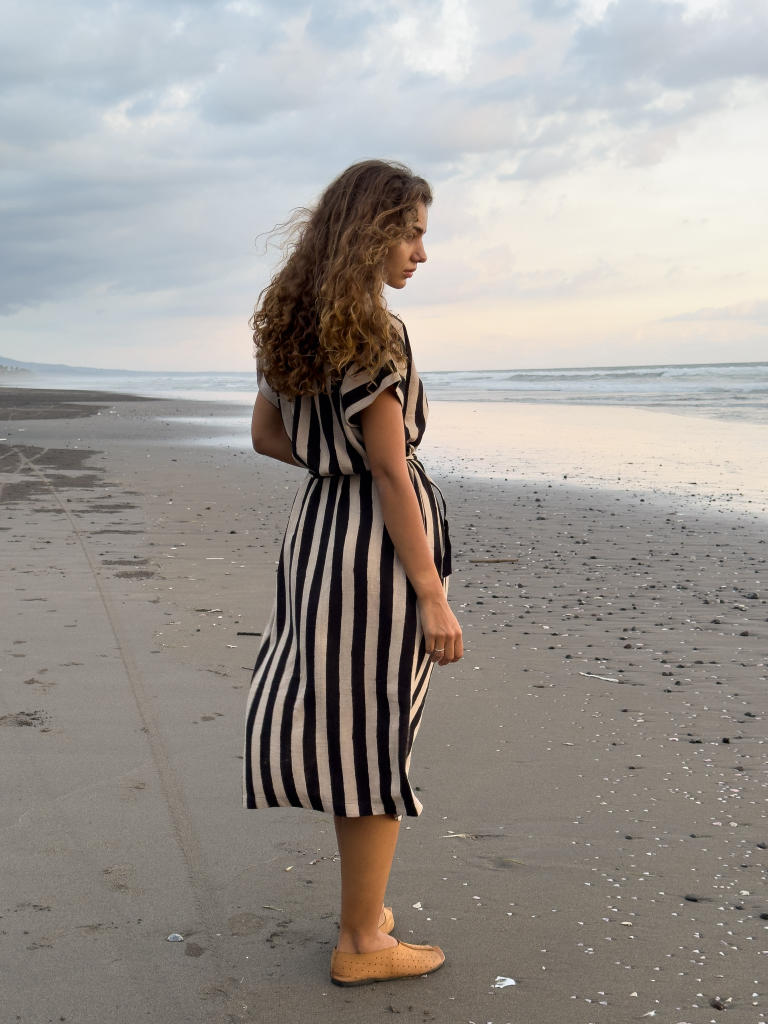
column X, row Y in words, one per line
column 472, row 835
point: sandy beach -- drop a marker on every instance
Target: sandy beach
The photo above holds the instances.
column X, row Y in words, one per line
column 594, row 843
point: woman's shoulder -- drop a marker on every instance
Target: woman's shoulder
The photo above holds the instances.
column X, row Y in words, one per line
column 397, row 323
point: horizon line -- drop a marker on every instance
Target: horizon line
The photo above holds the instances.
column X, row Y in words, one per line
column 61, row 367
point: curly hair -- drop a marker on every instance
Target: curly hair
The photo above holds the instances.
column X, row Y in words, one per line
column 322, row 312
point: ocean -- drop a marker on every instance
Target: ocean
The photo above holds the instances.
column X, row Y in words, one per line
column 723, row 391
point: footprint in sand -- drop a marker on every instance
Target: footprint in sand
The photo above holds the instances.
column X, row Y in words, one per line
column 33, row 719
column 245, row 924
column 120, row 877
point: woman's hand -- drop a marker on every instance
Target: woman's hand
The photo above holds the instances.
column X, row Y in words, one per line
column 382, row 426
column 442, row 632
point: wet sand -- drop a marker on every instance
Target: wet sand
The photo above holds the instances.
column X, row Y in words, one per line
column 593, row 772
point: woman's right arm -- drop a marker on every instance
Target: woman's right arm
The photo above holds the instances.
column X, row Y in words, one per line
column 382, row 427
column 268, row 434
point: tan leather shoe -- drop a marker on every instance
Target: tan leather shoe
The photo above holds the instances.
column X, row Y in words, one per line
column 387, row 922
column 401, row 961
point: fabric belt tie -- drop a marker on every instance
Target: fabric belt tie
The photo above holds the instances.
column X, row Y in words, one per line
column 410, row 454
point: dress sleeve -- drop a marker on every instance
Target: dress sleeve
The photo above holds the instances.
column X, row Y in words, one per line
column 266, row 390
column 358, row 390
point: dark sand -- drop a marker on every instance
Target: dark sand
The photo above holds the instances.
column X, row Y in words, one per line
column 53, row 404
column 593, row 772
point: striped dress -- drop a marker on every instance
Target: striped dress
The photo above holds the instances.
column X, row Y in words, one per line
column 341, row 676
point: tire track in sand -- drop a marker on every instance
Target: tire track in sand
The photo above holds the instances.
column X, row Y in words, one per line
column 201, row 887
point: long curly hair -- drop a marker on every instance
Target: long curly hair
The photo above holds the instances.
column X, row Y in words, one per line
column 322, row 311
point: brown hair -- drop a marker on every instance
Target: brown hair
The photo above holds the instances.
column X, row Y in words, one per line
column 321, row 311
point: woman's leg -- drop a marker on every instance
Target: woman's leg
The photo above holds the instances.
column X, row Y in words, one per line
column 366, row 847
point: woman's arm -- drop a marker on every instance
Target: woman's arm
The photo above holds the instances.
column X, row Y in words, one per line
column 382, row 426
column 268, row 434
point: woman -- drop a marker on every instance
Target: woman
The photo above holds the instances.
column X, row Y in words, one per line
column 361, row 615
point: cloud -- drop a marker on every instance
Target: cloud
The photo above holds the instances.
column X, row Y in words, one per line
column 340, row 26
column 552, row 8
column 146, row 144
column 437, row 40
column 755, row 312
column 662, row 42
column 655, row 63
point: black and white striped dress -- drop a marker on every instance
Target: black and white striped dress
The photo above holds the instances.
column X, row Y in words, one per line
column 341, row 676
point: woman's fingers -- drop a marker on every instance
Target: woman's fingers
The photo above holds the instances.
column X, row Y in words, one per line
column 437, row 651
column 442, row 632
column 445, row 649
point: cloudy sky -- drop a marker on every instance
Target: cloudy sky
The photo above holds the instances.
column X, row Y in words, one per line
column 600, row 171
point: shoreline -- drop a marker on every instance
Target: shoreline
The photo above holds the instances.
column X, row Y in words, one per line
column 665, row 456
column 189, row 423
column 595, row 822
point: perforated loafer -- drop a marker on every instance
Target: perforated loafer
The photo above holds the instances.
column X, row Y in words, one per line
column 401, row 961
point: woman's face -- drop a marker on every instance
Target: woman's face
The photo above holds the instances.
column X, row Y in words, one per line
column 404, row 256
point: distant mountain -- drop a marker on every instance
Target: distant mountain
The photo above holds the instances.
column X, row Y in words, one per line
column 13, row 366
column 53, row 368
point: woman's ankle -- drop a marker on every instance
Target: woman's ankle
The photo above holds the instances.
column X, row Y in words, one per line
column 363, row 941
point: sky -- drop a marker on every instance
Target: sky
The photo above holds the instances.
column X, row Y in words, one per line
column 600, row 172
